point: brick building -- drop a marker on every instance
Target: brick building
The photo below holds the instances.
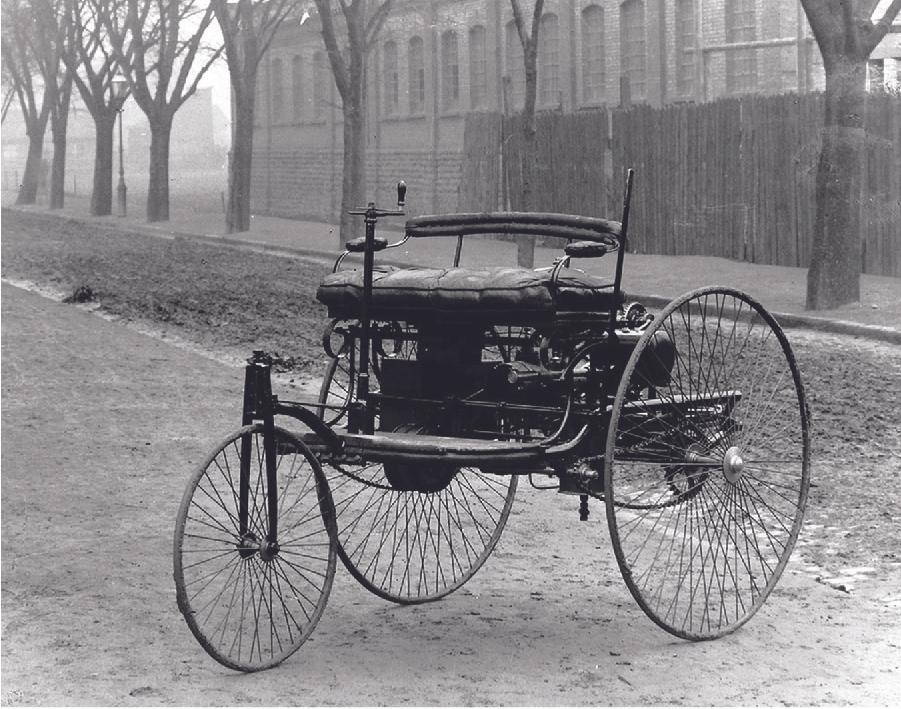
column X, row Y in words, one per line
column 437, row 60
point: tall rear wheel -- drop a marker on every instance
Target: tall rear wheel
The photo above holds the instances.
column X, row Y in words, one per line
column 409, row 546
column 707, row 463
column 413, row 534
column 251, row 603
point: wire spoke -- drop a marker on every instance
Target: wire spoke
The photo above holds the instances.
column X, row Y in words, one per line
column 248, row 604
column 707, row 474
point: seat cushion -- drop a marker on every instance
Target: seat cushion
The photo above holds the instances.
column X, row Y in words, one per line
column 492, row 293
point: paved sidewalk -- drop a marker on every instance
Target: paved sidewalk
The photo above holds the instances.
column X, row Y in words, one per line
column 655, row 279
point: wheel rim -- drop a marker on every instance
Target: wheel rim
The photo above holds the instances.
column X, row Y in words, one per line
column 406, row 546
column 337, row 390
column 251, row 604
column 413, row 547
column 705, row 490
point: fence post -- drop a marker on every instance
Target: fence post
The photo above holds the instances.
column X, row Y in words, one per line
column 625, row 92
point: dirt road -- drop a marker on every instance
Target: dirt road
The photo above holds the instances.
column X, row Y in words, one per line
column 102, row 426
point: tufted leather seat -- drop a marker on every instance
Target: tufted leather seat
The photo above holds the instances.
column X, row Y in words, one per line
column 484, row 294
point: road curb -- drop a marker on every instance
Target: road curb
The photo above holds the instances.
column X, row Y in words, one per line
column 788, row 320
column 812, row 322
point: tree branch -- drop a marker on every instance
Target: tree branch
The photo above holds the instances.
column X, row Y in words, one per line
column 376, row 22
column 874, row 32
column 339, row 66
column 518, row 22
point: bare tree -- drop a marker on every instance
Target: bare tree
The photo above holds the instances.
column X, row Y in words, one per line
column 846, row 37
column 248, row 27
column 159, row 44
column 31, row 47
column 59, row 124
column 93, row 68
column 528, row 37
column 55, row 70
column 361, row 29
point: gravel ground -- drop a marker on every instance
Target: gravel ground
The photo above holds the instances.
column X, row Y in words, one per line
column 103, row 424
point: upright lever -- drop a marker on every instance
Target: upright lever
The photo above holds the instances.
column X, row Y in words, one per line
column 371, row 212
column 360, row 415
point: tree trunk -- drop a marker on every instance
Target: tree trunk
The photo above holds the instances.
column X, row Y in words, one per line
column 59, row 123
column 833, row 278
column 354, row 180
column 102, row 191
column 525, row 245
column 28, row 190
column 158, row 183
column 237, row 217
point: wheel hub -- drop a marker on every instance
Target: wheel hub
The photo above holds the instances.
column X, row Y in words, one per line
column 268, row 550
column 733, row 465
column 248, row 546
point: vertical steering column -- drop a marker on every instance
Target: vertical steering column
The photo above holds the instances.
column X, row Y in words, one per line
column 360, row 416
column 370, row 218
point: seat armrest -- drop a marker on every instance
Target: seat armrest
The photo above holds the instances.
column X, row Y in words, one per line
column 587, row 249
column 358, row 245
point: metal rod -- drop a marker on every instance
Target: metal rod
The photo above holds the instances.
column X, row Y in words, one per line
column 368, row 263
column 750, row 44
column 621, row 254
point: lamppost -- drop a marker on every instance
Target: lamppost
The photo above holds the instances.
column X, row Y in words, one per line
column 120, row 93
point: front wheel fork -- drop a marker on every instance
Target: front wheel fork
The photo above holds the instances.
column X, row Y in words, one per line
column 258, row 406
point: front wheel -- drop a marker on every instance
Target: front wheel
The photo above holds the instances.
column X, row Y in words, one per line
column 250, row 603
column 707, row 463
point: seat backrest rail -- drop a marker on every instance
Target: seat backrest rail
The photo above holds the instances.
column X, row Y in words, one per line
column 564, row 226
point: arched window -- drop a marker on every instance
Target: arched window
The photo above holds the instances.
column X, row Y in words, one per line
column 392, row 84
column 594, row 77
column 549, row 60
column 319, row 85
column 450, row 70
column 297, row 89
column 741, row 64
column 416, row 67
column 478, row 68
column 514, row 68
column 278, row 91
column 686, row 45
column 632, row 46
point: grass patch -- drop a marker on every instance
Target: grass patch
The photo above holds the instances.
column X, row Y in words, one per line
column 217, row 297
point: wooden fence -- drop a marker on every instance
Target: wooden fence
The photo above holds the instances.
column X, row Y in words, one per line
column 731, row 178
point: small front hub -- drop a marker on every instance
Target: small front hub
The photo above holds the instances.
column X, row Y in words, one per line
column 733, row 465
column 248, row 546
column 268, row 550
